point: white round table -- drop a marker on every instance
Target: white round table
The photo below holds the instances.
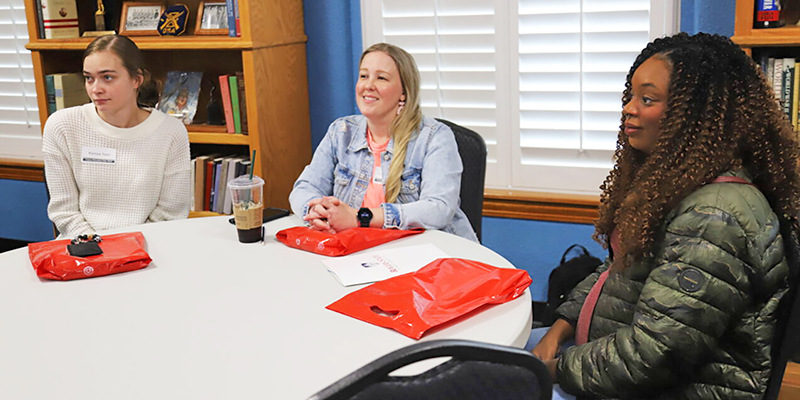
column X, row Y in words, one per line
column 210, row 318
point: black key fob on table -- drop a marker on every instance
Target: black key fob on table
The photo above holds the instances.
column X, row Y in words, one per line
column 84, row 249
column 270, row 213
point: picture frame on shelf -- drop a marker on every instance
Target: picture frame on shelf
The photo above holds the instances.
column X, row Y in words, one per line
column 212, row 19
column 140, row 18
column 180, row 95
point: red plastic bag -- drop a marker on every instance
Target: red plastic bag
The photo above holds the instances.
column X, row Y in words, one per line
column 438, row 292
column 122, row 252
column 340, row 243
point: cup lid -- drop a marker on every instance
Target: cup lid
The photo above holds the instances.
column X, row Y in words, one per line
column 244, row 181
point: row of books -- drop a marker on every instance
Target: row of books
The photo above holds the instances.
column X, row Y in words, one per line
column 64, row 90
column 210, row 177
column 780, row 73
column 233, row 102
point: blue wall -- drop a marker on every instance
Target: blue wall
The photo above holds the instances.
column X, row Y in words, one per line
column 23, row 211
column 709, row 16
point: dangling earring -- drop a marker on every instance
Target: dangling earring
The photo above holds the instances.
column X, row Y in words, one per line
column 400, row 104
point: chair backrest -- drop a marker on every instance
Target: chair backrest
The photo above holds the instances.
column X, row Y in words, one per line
column 475, row 371
column 472, row 149
column 787, row 340
column 47, row 189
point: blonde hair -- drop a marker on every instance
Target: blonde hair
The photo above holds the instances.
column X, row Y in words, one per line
column 406, row 124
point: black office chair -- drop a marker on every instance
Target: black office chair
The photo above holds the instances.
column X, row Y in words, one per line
column 47, row 189
column 472, row 149
column 475, row 371
column 787, row 341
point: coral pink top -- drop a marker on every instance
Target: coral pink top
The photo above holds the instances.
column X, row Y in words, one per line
column 375, row 195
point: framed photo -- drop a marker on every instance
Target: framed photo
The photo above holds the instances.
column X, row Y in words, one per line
column 212, row 19
column 140, row 18
column 180, row 95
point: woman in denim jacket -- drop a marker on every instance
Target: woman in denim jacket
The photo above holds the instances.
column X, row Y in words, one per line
column 344, row 186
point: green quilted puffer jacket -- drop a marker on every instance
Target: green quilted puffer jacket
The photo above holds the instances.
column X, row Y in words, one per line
column 697, row 320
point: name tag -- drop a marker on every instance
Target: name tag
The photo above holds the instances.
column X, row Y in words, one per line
column 377, row 175
column 98, row 155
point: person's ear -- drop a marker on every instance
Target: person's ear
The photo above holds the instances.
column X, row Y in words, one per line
column 138, row 80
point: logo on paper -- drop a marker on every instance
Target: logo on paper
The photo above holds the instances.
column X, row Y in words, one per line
column 88, row 271
column 297, row 242
column 320, row 246
column 369, row 264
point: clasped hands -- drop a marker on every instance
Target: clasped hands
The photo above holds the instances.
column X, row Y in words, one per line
column 329, row 214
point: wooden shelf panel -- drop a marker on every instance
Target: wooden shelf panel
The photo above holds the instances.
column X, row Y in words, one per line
column 172, row 43
column 150, row 43
column 201, row 214
column 786, row 36
column 540, row 206
column 219, row 138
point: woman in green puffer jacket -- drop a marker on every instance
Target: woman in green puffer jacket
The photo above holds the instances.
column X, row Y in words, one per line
column 685, row 306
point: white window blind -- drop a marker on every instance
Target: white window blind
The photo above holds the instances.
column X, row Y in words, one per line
column 541, row 81
column 20, row 132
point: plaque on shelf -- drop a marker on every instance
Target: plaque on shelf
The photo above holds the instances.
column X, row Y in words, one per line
column 99, row 22
column 174, row 20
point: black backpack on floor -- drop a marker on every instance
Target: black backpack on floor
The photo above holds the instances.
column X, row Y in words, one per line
column 564, row 278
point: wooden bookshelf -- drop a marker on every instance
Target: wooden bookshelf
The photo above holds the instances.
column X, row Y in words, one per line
column 271, row 53
column 749, row 38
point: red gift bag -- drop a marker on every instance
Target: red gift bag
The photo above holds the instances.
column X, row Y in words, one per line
column 438, row 292
column 340, row 243
column 122, row 252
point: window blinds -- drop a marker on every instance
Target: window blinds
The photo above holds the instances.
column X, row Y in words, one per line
column 573, row 59
column 20, row 133
column 541, row 81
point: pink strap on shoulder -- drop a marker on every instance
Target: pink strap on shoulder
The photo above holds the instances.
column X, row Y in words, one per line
column 587, row 310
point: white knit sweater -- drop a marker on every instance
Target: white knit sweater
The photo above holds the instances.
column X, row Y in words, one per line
column 148, row 180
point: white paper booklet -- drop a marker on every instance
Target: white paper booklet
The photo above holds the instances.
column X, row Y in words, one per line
column 379, row 265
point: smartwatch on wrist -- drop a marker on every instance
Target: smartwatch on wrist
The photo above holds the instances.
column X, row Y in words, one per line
column 364, row 217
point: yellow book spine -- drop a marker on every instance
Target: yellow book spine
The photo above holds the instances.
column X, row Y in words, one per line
column 795, row 97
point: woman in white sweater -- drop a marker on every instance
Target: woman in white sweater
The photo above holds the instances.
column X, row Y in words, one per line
column 116, row 161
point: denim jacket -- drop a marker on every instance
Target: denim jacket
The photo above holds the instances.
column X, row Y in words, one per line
column 431, row 180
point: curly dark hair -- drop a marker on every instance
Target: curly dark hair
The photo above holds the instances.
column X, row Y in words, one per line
column 721, row 115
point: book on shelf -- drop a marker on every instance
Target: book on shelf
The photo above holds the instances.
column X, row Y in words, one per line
column 795, row 97
column 68, row 90
column 233, row 166
column 199, row 181
column 242, row 101
column 50, row 89
column 39, row 18
column 225, row 93
column 237, row 119
column 231, row 13
column 777, row 77
column 192, row 172
column 788, row 82
column 209, row 167
column 222, row 181
column 236, row 18
column 59, row 19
